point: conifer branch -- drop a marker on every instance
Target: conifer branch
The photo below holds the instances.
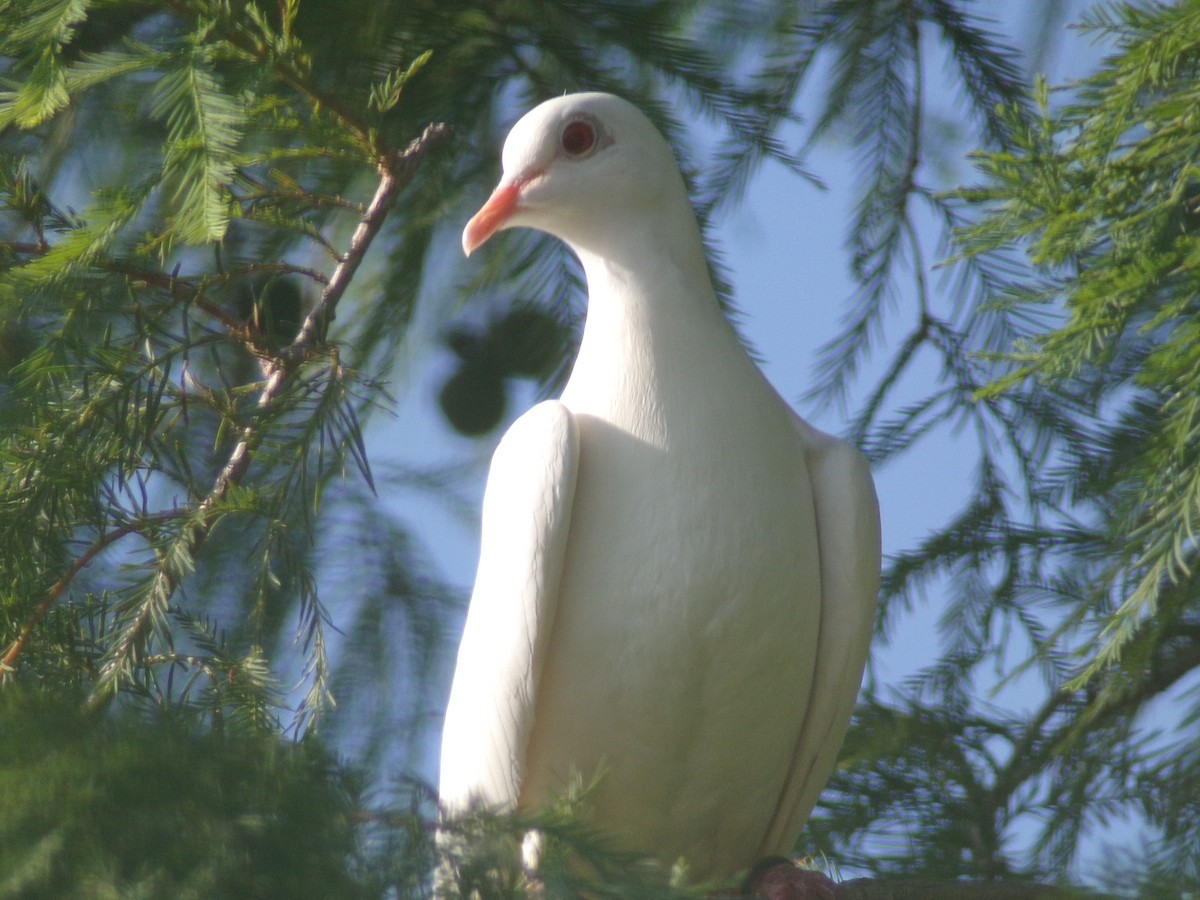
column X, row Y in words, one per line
column 25, row 248
column 190, row 288
column 77, row 565
column 395, row 174
column 292, row 76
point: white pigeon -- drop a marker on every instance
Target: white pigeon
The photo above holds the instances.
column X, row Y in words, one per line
column 677, row 577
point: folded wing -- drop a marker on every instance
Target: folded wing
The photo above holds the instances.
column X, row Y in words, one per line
column 848, row 539
column 526, row 516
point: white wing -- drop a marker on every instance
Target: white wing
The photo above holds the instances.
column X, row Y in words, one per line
column 847, row 513
column 526, row 514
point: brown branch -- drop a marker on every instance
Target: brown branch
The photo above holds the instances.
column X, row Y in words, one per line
column 777, row 880
column 396, row 172
column 279, row 268
column 394, row 177
column 184, row 289
column 25, row 247
column 77, row 565
column 239, row 329
column 903, row 889
column 273, row 197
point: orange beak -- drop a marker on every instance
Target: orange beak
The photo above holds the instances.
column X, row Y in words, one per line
column 491, row 216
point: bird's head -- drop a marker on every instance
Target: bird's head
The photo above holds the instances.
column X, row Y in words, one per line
column 579, row 167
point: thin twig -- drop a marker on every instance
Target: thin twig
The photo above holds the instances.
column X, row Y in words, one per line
column 25, row 247
column 77, row 565
column 393, row 178
column 267, row 197
column 898, row 889
column 289, row 74
column 396, row 172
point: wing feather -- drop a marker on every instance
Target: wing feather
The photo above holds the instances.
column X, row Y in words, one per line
column 526, row 516
column 847, row 514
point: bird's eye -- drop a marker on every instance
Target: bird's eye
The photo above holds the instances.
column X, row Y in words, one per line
column 578, row 138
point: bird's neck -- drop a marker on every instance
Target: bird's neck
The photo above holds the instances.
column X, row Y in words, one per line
column 653, row 318
column 650, row 269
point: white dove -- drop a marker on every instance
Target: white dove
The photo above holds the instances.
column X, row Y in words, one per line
column 677, row 577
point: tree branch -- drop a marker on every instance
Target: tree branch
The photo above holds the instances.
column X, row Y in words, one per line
column 25, row 247
column 77, row 565
column 190, row 288
column 900, row 889
column 780, row 880
column 395, row 173
column 290, row 75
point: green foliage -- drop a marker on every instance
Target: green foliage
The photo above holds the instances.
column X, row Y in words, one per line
column 194, row 340
column 482, row 853
column 97, row 807
column 1103, row 199
column 204, row 127
column 163, row 419
column 878, row 82
column 1071, row 354
column 194, row 337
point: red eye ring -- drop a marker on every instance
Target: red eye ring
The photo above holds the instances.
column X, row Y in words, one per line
column 578, row 138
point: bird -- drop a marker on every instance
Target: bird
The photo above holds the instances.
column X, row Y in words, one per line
column 677, row 575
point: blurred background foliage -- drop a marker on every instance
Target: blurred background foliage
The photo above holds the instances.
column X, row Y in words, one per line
column 200, row 557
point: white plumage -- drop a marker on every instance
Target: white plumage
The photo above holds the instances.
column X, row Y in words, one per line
column 677, row 576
